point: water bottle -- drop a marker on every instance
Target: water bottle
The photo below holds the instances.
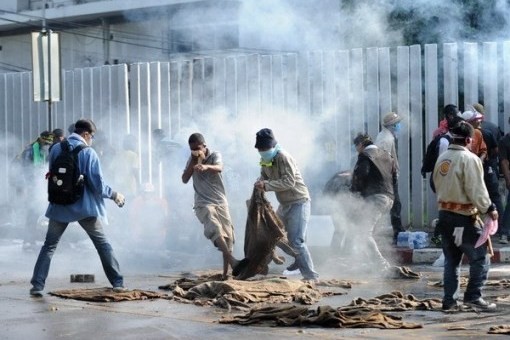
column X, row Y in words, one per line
column 420, row 240
column 403, row 239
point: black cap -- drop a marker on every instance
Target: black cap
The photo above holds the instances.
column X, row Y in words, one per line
column 265, row 139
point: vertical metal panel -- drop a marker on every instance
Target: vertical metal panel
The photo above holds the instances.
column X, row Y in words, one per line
column 4, row 139
column 385, row 93
column 155, row 98
column 120, row 73
column 242, row 86
column 451, row 74
column 153, row 120
column 403, row 110
column 17, row 102
column 69, row 95
column 136, row 99
column 165, row 98
column 304, row 83
column 175, row 103
column 315, row 66
column 329, row 122
column 253, row 79
column 344, row 132
column 27, row 98
column 290, row 62
column 416, row 135
column 219, row 82
column 266, row 85
column 78, row 92
column 88, row 97
column 185, row 91
column 506, row 84
column 104, row 120
column 470, row 73
column 231, row 86
column 373, row 92
column 97, row 95
column 329, row 78
column 9, row 101
column 278, row 98
column 490, row 81
column 357, row 91
column 145, row 121
column 431, row 115
column 197, row 89
column 208, row 87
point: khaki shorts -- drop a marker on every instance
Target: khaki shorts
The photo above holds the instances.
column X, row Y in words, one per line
column 217, row 222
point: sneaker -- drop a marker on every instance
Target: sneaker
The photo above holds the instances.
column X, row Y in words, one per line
column 503, row 239
column 481, row 304
column 454, row 307
column 119, row 289
column 291, row 272
column 36, row 292
column 294, row 266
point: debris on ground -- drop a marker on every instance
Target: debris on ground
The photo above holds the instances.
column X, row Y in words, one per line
column 108, row 295
column 324, row 316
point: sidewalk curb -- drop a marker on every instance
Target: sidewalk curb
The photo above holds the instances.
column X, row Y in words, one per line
column 429, row 255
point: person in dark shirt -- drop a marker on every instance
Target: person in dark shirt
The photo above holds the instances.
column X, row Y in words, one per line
column 373, row 178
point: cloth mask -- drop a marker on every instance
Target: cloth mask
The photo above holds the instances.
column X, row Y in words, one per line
column 268, row 155
column 396, row 128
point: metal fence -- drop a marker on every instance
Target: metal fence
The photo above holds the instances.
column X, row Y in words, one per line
column 348, row 91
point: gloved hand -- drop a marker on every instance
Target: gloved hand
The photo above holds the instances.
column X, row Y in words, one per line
column 119, row 199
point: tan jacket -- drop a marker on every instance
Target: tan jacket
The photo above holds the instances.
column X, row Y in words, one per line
column 284, row 178
column 458, row 177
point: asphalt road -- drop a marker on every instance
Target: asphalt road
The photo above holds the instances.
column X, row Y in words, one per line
column 24, row 317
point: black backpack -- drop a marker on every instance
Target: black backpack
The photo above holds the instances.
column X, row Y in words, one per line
column 65, row 182
column 431, row 155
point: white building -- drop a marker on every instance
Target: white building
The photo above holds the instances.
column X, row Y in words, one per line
column 98, row 32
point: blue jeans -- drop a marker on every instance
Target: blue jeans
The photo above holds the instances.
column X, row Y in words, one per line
column 478, row 261
column 95, row 231
column 295, row 217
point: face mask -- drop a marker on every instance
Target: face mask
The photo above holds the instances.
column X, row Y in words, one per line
column 396, row 128
column 268, row 155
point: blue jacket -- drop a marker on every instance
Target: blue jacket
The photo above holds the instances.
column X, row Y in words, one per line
column 92, row 202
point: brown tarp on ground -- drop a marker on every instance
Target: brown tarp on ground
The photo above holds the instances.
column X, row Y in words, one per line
column 240, row 294
column 503, row 329
column 264, row 231
column 394, row 301
column 324, row 316
column 108, row 295
column 463, row 281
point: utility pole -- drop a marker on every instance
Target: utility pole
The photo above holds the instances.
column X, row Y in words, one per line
column 46, row 73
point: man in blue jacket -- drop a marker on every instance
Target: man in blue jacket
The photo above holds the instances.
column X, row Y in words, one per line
column 89, row 210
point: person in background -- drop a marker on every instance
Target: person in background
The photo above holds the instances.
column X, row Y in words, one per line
column 211, row 205
column 33, row 165
column 490, row 165
column 58, row 136
column 462, row 197
column 504, row 159
column 387, row 141
column 89, row 211
column 478, row 146
column 279, row 173
column 372, row 178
